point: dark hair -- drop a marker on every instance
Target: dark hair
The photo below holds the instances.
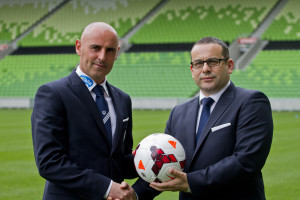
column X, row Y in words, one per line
column 208, row 40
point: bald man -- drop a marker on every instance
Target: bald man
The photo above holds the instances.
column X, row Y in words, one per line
column 76, row 151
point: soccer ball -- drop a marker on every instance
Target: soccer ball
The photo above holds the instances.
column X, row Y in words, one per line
column 156, row 154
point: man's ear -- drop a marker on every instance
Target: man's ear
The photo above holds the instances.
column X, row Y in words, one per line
column 230, row 65
column 78, row 47
column 117, row 53
column 192, row 70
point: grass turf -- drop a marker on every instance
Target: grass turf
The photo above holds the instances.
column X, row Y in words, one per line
column 20, row 178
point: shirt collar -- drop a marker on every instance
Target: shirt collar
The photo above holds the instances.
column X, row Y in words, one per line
column 89, row 82
column 215, row 96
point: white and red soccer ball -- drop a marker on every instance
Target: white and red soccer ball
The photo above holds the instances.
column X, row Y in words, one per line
column 156, row 154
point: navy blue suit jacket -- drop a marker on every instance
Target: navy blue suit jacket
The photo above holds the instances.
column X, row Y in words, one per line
column 226, row 162
column 71, row 147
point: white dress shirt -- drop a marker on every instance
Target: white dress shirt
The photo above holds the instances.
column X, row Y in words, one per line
column 90, row 86
column 215, row 97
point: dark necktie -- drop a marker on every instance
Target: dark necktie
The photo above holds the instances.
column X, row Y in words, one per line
column 104, row 111
column 206, row 103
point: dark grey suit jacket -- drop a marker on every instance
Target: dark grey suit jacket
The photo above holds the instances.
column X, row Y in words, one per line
column 226, row 162
column 71, row 148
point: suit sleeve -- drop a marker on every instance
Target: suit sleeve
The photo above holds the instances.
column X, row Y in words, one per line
column 168, row 124
column 254, row 129
column 129, row 163
column 144, row 191
column 50, row 141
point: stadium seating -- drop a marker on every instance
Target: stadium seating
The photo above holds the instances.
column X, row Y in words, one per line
column 20, row 76
column 154, row 74
column 276, row 72
column 18, row 15
column 66, row 25
column 139, row 74
column 187, row 21
column 149, row 74
column 286, row 25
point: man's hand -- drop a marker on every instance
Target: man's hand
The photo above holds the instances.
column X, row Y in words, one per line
column 179, row 183
column 121, row 191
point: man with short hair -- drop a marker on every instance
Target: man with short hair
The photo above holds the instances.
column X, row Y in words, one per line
column 226, row 132
column 82, row 126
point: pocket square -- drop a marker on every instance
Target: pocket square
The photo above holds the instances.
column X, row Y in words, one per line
column 125, row 120
column 220, row 127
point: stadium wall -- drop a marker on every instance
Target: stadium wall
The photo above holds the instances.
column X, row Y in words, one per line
column 277, row 104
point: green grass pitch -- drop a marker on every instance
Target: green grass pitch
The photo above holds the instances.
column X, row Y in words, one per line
column 19, row 178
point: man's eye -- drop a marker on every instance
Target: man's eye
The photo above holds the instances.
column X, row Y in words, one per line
column 95, row 47
column 111, row 50
column 213, row 62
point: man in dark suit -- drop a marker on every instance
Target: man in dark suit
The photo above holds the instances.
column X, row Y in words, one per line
column 75, row 151
column 225, row 161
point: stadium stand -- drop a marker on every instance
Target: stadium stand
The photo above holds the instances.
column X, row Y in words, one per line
column 139, row 74
column 17, row 16
column 286, row 26
column 187, row 21
column 66, row 25
column 275, row 72
column 21, row 75
column 47, row 53
column 154, row 74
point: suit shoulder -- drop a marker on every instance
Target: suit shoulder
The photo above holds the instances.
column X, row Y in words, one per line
column 59, row 82
column 56, row 85
column 248, row 92
column 115, row 89
column 187, row 103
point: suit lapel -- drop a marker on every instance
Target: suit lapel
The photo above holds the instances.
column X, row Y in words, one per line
column 84, row 95
column 118, row 110
column 190, row 139
column 225, row 100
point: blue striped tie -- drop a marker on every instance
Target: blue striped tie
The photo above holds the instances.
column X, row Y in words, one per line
column 206, row 102
column 104, row 111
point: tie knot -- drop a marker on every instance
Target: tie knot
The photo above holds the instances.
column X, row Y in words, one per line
column 207, row 101
column 98, row 90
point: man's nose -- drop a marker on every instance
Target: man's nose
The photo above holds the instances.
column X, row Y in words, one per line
column 101, row 54
column 206, row 67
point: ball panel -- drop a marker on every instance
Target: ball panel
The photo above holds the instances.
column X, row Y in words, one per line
column 165, row 175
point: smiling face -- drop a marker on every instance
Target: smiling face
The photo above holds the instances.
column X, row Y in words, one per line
column 210, row 80
column 98, row 49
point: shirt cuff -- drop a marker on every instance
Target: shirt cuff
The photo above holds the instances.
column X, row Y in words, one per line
column 137, row 197
column 108, row 190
